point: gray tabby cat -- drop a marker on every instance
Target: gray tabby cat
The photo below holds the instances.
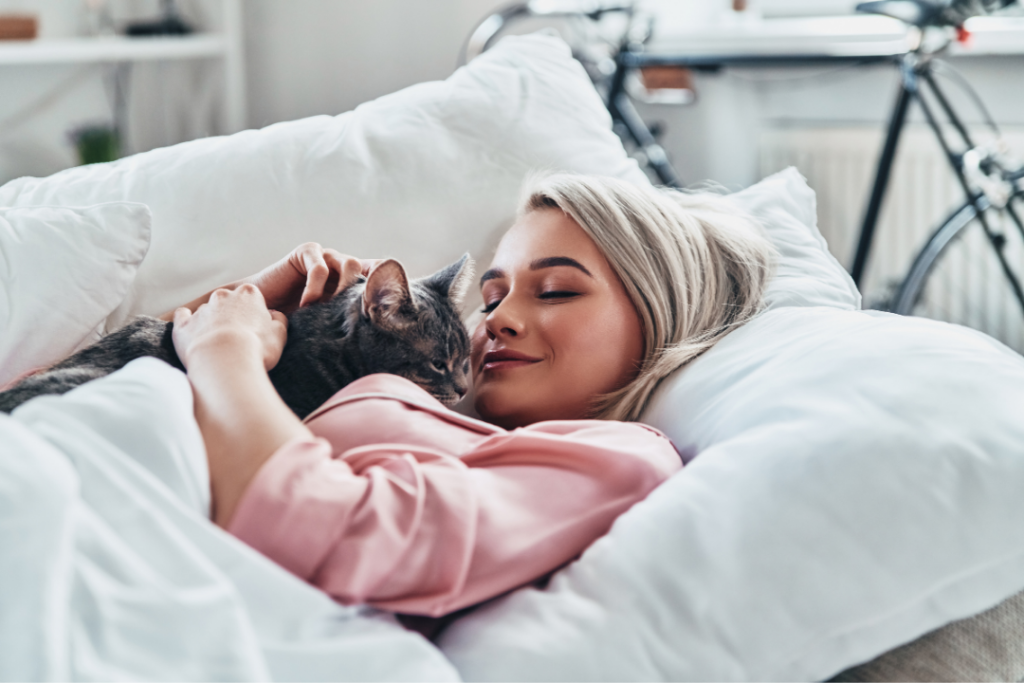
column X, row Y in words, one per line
column 381, row 324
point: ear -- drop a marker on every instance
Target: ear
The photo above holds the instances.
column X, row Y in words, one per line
column 386, row 293
column 453, row 281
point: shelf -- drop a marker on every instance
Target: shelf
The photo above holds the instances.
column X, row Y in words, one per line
column 835, row 36
column 840, row 36
column 111, row 49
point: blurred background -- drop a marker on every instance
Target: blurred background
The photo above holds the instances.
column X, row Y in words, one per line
column 75, row 88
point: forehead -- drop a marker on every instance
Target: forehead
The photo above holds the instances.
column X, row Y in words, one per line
column 545, row 233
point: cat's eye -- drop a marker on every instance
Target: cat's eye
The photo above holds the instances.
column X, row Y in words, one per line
column 438, row 365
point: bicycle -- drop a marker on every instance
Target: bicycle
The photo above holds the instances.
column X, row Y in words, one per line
column 993, row 183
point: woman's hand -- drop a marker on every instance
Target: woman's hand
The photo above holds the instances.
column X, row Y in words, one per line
column 231, row 322
column 227, row 347
column 310, row 273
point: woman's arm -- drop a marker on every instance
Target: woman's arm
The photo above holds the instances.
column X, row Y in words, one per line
column 308, row 274
column 227, row 347
column 429, row 528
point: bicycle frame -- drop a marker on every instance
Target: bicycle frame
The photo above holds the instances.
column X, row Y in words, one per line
column 916, row 76
column 624, row 113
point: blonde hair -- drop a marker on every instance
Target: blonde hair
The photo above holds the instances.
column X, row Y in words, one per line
column 693, row 264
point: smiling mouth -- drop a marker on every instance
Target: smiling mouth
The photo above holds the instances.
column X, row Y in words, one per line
column 504, row 359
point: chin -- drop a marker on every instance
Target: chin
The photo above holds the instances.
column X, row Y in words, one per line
column 503, row 413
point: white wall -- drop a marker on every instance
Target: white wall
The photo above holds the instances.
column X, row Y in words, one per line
column 310, row 57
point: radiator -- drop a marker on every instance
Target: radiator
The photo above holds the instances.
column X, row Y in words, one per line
column 839, row 164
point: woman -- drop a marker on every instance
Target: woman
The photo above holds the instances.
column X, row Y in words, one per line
column 597, row 292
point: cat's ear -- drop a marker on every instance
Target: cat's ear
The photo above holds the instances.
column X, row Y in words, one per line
column 453, row 281
column 386, row 293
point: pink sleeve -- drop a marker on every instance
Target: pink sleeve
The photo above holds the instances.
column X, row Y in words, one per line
column 421, row 532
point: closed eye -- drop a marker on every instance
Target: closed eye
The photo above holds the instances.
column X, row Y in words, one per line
column 491, row 306
column 558, row 294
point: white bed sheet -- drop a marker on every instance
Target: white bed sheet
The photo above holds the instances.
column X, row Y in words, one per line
column 112, row 571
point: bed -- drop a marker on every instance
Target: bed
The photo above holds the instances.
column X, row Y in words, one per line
column 852, row 479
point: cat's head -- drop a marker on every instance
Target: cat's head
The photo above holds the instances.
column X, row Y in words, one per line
column 414, row 329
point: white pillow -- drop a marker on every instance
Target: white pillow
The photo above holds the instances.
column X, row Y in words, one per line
column 423, row 175
column 62, row 271
column 858, row 484
column 807, row 274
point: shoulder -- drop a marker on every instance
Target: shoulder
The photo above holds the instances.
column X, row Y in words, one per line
column 392, row 385
column 632, row 441
column 392, row 395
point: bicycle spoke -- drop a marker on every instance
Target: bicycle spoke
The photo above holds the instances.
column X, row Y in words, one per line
column 961, row 278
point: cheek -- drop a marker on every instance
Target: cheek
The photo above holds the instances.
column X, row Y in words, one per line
column 477, row 340
column 600, row 346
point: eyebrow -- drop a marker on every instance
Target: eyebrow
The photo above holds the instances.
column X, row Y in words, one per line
column 553, row 261
column 539, row 264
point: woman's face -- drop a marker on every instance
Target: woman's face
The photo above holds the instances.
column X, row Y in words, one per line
column 560, row 329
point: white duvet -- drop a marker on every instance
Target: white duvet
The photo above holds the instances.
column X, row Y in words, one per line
column 111, row 571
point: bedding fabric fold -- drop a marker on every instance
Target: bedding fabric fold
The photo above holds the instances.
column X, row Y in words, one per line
column 113, row 571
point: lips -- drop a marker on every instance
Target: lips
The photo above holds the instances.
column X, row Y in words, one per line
column 506, row 359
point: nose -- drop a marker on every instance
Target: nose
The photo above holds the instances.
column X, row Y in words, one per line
column 504, row 320
column 460, row 380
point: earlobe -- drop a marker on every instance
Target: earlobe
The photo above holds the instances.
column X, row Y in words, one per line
column 386, row 293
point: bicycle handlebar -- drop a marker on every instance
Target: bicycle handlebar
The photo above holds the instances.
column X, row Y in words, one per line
column 960, row 11
column 923, row 13
column 486, row 31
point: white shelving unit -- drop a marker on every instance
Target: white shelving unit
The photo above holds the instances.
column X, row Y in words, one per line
column 225, row 45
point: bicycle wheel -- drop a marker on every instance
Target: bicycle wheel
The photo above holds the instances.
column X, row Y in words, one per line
column 959, row 277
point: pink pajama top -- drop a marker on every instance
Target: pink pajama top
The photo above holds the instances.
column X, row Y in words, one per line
column 406, row 505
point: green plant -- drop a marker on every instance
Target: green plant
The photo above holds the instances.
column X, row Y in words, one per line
column 96, row 143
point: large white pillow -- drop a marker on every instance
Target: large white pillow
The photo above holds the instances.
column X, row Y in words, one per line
column 854, row 482
column 424, row 175
column 62, row 271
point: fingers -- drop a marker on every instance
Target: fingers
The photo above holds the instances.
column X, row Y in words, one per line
column 236, row 322
column 181, row 315
column 350, row 270
column 341, row 272
column 368, row 264
column 317, row 273
column 326, row 272
column 279, row 318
